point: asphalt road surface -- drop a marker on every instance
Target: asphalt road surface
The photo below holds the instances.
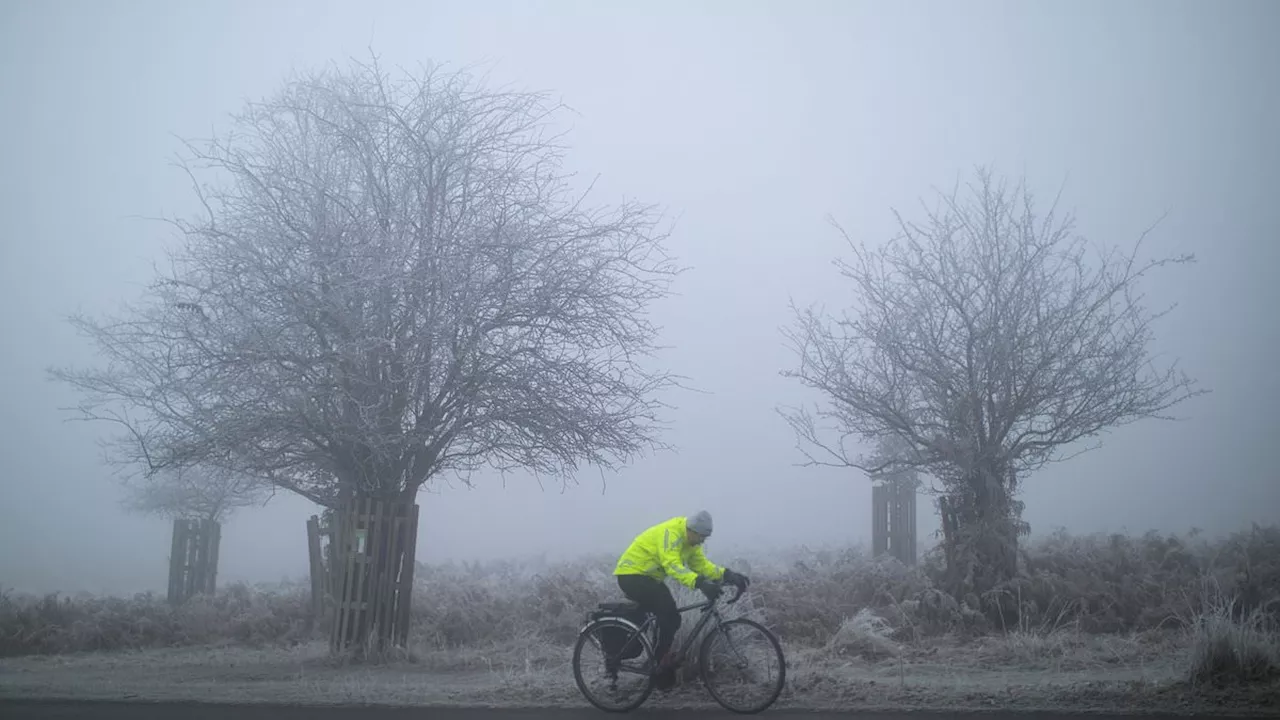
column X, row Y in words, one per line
column 52, row 710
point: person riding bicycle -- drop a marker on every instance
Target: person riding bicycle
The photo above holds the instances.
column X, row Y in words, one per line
column 671, row 549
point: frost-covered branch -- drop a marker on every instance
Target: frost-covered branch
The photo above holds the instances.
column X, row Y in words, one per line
column 396, row 280
column 987, row 342
column 985, row 332
column 196, row 493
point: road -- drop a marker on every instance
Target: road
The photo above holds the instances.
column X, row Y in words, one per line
column 51, row 710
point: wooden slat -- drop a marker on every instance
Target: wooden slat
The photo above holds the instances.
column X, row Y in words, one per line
column 342, row 620
column 331, row 574
column 354, row 570
column 911, row 525
column 360, row 608
column 399, row 525
column 177, row 553
column 361, row 603
column 391, row 568
column 408, row 565
column 879, row 542
column 200, row 568
column 200, row 572
column 378, row 555
column 189, row 561
column 317, row 567
column 395, row 560
column 215, row 544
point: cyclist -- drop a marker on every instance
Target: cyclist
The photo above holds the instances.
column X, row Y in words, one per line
column 672, row 548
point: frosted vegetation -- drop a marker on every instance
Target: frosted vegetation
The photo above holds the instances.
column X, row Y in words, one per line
column 1208, row 606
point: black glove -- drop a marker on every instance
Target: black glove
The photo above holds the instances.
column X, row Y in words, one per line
column 710, row 588
column 738, row 580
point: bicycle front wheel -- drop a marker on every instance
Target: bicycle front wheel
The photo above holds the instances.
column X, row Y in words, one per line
column 608, row 681
column 742, row 655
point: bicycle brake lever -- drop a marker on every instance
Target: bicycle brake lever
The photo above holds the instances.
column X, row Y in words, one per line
column 737, row 595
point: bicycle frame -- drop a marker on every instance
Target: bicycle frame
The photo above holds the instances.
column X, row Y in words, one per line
column 709, row 611
column 621, row 619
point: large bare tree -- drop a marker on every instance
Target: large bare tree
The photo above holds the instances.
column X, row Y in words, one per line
column 988, row 342
column 392, row 280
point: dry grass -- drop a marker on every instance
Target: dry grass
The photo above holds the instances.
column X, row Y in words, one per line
column 1097, row 609
column 1231, row 646
column 237, row 614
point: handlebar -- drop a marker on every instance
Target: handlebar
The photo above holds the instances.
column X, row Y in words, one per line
column 706, row 605
column 740, row 590
column 710, row 603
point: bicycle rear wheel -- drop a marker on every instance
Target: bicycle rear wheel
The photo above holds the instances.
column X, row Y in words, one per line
column 611, row 682
column 737, row 654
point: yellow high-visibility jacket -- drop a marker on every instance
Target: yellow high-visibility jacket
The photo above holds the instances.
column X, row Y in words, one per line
column 661, row 551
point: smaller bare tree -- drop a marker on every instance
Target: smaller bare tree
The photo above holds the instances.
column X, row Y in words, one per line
column 195, row 493
column 988, row 343
column 198, row 499
column 890, row 463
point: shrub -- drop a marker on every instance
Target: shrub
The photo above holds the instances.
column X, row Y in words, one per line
column 829, row 600
column 1229, row 648
column 52, row 624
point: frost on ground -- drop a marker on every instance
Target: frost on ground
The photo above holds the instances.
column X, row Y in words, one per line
column 1106, row 623
column 1069, row 671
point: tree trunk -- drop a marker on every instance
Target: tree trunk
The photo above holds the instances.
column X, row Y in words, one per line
column 982, row 524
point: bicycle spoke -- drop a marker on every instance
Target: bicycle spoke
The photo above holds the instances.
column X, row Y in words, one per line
column 742, row 667
column 609, row 685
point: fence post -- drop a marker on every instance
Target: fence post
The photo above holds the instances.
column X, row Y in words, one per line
column 319, row 581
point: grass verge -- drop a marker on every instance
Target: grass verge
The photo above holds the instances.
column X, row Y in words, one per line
column 1100, row 621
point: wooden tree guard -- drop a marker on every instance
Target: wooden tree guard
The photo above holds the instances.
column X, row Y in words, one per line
column 193, row 559
column 893, row 520
column 373, row 550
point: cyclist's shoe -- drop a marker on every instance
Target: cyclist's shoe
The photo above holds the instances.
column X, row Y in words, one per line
column 668, row 662
column 664, row 680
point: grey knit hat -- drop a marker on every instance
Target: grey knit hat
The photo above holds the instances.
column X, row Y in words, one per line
column 700, row 522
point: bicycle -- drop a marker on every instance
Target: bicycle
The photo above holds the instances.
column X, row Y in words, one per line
column 611, row 620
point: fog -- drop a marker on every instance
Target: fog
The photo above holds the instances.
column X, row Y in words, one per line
column 749, row 123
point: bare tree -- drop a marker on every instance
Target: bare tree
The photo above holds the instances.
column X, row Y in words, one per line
column 988, row 343
column 395, row 283
column 392, row 282
column 891, row 462
column 195, row 493
column 198, row 499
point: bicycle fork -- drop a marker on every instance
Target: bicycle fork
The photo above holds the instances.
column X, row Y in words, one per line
column 741, row 663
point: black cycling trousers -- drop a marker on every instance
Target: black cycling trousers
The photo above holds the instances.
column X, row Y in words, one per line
column 655, row 597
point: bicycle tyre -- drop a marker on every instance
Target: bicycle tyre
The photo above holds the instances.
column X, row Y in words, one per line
column 646, row 655
column 703, row 659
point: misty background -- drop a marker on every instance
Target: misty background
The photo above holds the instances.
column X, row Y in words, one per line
column 750, row 123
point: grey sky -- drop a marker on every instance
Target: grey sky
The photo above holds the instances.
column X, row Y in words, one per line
column 750, row 122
